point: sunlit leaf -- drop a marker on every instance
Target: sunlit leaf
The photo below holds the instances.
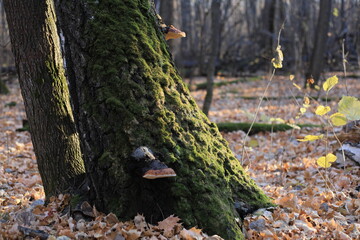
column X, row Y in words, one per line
column 306, row 101
column 278, row 120
column 335, row 12
column 330, row 83
column 279, row 57
column 325, row 162
column 253, row 143
column 310, row 138
column 293, row 126
column 310, row 80
column 350, row 107
column 338, row 119
column 264, row 118
column 291, row 77
column 303, row 110
column 297, row 86
column 321, row 110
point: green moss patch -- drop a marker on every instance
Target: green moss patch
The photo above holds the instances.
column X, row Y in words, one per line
column 259, row 127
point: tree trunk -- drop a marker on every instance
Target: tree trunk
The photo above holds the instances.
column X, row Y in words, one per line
column 170, row 13
column 129, row 95
column 318, row 58
column 3, row 88
column 35, row 45
column 215, row 45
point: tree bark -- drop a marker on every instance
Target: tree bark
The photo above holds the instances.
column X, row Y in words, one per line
column 35, row 45
column 129, row 94
column 317, row 59
column 170, row 13
column 215, row 45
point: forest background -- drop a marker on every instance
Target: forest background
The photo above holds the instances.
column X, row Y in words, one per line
column 247, row 38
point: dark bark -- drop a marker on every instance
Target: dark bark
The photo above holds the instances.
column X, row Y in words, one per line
column 35, row 45
column 170, row 13
column 267, row 33
column 186, row 26
column 215, row 45
column 6, row 58
column 129, row 95
column 317, row 58
column 250, row 13
column 3, row 88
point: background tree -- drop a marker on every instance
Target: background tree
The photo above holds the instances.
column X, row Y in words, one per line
column 170, row 12
column 215, row 45
column 248, row 32
column 36, row 48
column 317, row 58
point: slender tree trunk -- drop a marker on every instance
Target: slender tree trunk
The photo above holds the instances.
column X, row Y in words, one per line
column 322, row 28
column 35, row 45
column 170, row 13
column 215, row 45
column 129, row 95
column 3, row 88
column 277, row 22
column 187, row 25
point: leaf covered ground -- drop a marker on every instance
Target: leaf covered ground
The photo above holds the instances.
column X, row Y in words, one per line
column 313, row 202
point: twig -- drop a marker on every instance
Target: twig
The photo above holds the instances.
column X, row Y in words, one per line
column 33, row 233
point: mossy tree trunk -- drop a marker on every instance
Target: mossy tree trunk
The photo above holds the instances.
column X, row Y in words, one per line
column 129, row 94
column 36, row 47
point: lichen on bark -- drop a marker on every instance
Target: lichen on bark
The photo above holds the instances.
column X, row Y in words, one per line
column 131, row 95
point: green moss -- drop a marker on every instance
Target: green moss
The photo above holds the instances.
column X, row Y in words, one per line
column 3, row 88
column 75, row 200
column 259, row 127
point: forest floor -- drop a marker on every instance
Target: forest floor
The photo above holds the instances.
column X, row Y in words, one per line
column 313, row 202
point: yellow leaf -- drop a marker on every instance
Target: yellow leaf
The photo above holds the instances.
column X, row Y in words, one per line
column 330, row 83
column 306, row 101
column 317, row 87
column 303, row 110
column 293, row 126
column 278, row 120
column 279, row 57
column 311, row 138
column 350, row 107
column 336, row 12
column 321, row 110
column 291, row 77
column 338, row 119
column 276, row 64
column 325, row 162
column 264, row 118
column 297, row 86
column 253, row 143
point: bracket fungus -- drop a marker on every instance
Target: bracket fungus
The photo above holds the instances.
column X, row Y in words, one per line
column 148, row 166
column 172, row 32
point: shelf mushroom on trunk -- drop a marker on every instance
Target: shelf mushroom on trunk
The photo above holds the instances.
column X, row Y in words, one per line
column 148, row 166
